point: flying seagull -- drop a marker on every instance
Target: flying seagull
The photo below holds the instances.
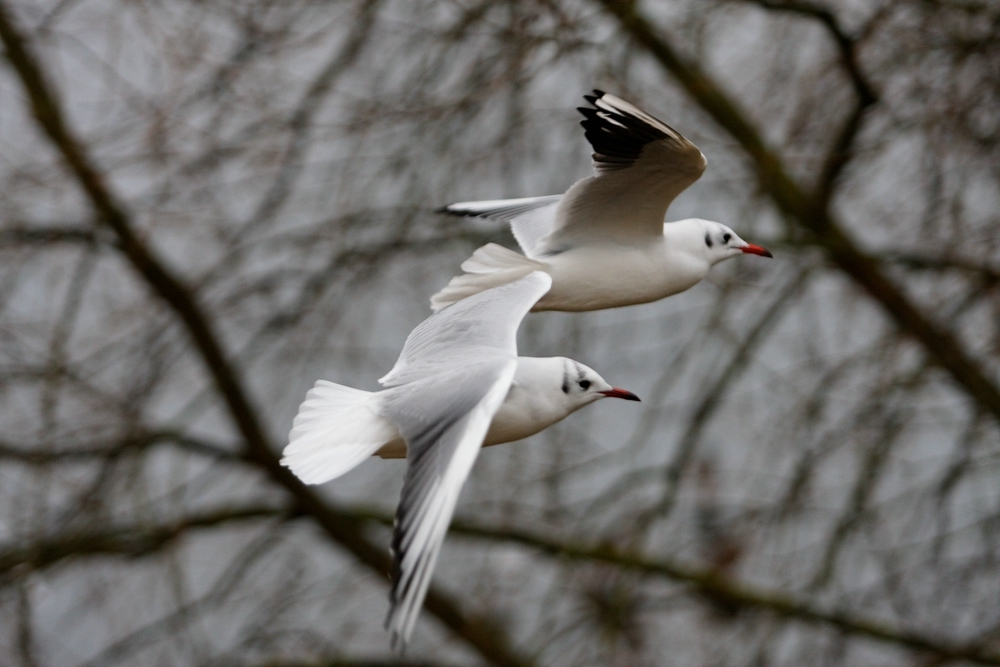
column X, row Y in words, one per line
column 604, row 242
column 458, row 385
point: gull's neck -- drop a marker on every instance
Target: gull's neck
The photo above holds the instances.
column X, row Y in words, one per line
column 686, row 236
column 535, row 400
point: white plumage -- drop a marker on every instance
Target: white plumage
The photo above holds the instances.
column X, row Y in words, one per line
column 458, row 384
column 604, row 242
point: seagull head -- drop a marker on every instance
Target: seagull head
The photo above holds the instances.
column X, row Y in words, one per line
column 719, row 242
column 582, row 385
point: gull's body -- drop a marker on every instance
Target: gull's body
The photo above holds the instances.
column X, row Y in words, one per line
column 626, row 274
column 534, row 402
column 604, row 242
column 457, row 386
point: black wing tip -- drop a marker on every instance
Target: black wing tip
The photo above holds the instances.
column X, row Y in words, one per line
column 589, row 115
column 592, row 99
column 616, row 135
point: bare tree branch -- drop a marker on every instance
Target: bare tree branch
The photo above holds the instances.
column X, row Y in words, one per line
column 488, row 639
column 846, row 44
column 839, row 154
column 32, row 455
column 707, row 582
column 128, row 541
column 715, row 587
column 345, row 662
column 811, row 212
column 24, row 235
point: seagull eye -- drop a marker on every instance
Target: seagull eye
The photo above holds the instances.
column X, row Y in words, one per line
column 726, row 237
column 584, row 384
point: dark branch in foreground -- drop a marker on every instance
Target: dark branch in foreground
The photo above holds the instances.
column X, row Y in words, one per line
column 348, row 662
column 42, row 457
column 124, row 541
column 484, row 636
column 707, row 582
column 25, row 235
column 840, row 153
column 846, row 45
column 717, row 588
column 811, row 213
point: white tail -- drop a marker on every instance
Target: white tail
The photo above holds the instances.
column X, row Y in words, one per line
column 490, row 266
column 336, row 429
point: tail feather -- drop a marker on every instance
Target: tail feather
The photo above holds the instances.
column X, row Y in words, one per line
column 490, row 266
column 337, row 428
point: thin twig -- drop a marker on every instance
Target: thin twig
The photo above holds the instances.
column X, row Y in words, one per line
column 484, row 636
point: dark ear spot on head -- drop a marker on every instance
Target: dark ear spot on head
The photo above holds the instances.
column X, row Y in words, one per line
column 708, row 240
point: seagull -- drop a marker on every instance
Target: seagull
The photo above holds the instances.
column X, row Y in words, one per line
column 604, row 241
column 458, row 385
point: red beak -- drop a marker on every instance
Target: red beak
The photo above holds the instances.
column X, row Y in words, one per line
column 752, row 249
column 620, row 393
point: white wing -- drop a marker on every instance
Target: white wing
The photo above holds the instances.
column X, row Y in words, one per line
column 641, row 164
column 531, row 218
column 444, row 419
column 480, row 327
column 451, row 377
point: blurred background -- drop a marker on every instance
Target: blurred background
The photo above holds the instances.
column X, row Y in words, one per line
column 207, row 206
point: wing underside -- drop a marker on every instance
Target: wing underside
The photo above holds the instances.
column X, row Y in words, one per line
column 531, row 218
column 475, row 328
column 450, row 379
column 444, row 432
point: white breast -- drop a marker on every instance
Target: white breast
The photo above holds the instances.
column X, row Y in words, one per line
column 535, row 401
column 593, row 277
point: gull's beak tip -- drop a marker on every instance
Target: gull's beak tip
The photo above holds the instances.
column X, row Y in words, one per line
column 752, row 249
column 615, row 392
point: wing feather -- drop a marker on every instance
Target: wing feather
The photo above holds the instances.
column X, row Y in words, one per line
column 640, row 165
column 450, row 379
column 443, row 434
column 480, row 326
column 531, row 219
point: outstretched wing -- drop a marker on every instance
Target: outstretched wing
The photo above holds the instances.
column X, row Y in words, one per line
column 444, row 419
column 641, row 164
column 451, row 377
column 482, row 326
column 531, row 218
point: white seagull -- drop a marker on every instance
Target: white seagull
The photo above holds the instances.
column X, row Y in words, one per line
column 604, row 242
column 458, row 385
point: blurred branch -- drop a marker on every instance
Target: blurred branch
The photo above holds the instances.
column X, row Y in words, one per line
column 811, row 212
column 715, row 587
column 984, row 270
column 712, row 399
column 845, row 43
column 484, row 636
column 40, row 456
column 25, row 635
column 129, row 541
column 839, row 154
column 893, row 422
column 300, row 123
column 225, row 584
column 13, row 236
column 988, row 274
column 348, row 662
